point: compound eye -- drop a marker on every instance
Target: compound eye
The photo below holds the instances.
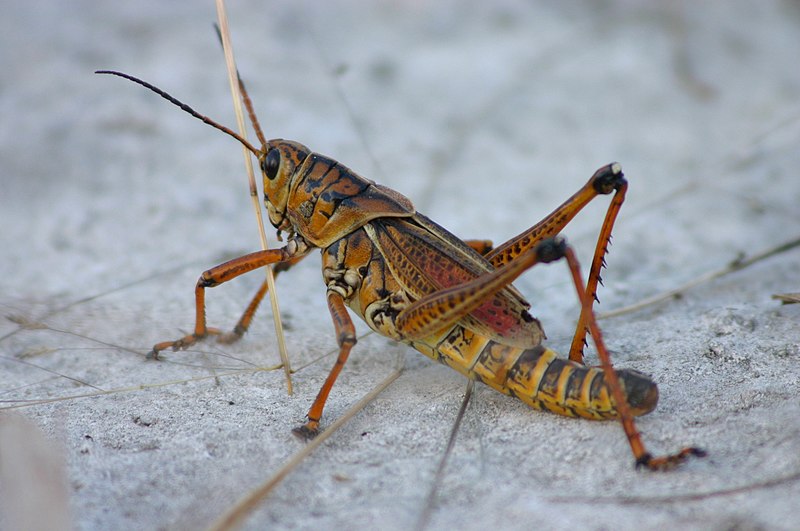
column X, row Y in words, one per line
column 271, row 163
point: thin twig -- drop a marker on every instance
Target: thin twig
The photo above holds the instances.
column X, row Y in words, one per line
column 676, row 498
column 734, row 266
column 20, row 403
column 236, row 515
column 430, row 502
column 787, row 298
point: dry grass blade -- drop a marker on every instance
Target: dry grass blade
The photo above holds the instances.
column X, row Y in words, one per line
column 734, row 266
column 787, row 298
column 430, row 499
column 233, row 79
column 236, row 515
column 25, row 324
column 20, row 403
column 678, row 498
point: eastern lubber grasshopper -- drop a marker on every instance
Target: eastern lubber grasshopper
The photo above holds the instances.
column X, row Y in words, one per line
column 413, row 281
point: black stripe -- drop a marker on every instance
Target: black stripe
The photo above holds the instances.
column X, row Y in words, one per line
column 598, row 383
column 575, row 383
column 549, row 382
column 525, row 363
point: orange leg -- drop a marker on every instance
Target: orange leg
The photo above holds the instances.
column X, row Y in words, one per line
column 219, row 275
column 598, row 262
column 346, row 338
column 247, row 317
column 606, row 180
column 643, row 457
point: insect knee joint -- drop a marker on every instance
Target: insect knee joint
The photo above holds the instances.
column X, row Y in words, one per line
column 347, row 338
column 644, row 460
column 550, row 250
column 608, row 178
column 206, row 281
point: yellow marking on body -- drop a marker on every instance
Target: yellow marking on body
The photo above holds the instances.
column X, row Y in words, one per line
column 493, row 364
column 561, row 389
column 461, row 348
column 602, row 406
column 525, row 383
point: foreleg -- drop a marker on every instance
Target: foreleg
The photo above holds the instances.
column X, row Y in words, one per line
column 221, row 274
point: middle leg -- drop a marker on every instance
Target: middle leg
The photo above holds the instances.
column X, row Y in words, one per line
column 346, row 338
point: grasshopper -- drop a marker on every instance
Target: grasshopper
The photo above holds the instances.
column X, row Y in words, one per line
column 413, row 281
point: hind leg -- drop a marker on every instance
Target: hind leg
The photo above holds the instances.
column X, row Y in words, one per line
column 606, row 180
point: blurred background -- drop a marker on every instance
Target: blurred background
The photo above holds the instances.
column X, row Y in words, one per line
column 486, row 115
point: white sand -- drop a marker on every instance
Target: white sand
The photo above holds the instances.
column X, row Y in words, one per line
column 487, row 118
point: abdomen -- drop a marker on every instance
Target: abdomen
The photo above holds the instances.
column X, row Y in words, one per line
column 539, row 377
column 536, row 375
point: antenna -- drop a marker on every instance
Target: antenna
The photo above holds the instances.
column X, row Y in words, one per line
column 184, row 107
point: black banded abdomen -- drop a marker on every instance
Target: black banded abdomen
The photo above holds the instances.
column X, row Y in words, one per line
column 540, row 378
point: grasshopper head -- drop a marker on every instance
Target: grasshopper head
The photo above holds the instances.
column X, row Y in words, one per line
column 279, row 161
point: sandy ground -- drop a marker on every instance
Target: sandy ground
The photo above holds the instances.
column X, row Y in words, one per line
column 487, row 115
